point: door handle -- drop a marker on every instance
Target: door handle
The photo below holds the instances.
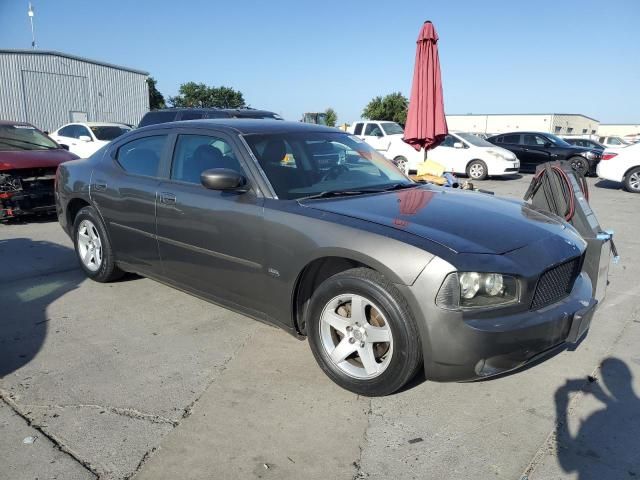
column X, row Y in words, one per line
column 167, row 198
column 99, row 186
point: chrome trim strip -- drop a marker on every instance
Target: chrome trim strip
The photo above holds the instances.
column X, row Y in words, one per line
column 134, row 230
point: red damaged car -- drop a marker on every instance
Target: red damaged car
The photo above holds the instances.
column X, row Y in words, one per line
column 28, row 163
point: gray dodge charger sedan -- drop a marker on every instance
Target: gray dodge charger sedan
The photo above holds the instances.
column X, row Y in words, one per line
column 310, row 229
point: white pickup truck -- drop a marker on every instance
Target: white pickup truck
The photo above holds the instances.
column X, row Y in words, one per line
column 386, row 137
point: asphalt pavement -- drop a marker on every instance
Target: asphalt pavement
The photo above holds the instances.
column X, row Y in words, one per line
column 137, row 380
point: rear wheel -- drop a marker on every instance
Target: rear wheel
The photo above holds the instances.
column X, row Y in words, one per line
column 362, row 333
column 93, row 247
column 477, row 170
column 580, row 165
column 632, row 180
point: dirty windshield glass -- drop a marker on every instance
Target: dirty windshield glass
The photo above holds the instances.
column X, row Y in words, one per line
column 24, row 137
column 108, row 132
column 304, row 164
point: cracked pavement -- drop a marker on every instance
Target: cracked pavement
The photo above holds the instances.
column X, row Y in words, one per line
column 137, row 380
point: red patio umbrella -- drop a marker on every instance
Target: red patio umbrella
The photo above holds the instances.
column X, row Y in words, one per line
column 426, row 124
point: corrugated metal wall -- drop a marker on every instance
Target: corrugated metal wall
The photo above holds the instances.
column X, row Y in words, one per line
column 44, row 89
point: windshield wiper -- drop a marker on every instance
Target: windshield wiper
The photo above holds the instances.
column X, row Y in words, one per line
column 337, row 193
column 27, row 142
column 398, row 186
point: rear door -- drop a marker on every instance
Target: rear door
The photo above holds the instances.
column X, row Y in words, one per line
column 210, row 242
column 513, row 143
column 124, row 187
column 374, row 135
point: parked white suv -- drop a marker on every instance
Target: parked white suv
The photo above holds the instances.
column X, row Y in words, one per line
column 84, row 139
column 622, row 165
column 387, row 138
column 613, row 142
column 468, row 154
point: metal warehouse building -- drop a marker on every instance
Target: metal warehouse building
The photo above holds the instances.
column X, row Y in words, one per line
column 557, row 123
column 49, row 89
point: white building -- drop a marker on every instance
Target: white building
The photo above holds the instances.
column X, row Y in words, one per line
column 557, row 123
column 618, row 129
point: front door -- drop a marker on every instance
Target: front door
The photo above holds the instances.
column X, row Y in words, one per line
column 536, row 150
column 451, row 158
column 123, row 188
column 210, row 241
column 374, row 136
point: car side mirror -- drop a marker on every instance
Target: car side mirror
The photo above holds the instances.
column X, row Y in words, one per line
column 458, row 145
column 223, row 179
column 548, row 145
column 85, row 138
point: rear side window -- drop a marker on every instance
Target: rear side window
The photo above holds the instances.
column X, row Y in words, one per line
column 358, row 129
column 191, row 115
column 373, row 129
column 142, row 156
column 153, row 118
column 513, row 139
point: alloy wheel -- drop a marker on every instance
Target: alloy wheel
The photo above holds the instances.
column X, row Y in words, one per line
column 89, row 245
column 634, row 181
column 476, row 171
column 356, row 336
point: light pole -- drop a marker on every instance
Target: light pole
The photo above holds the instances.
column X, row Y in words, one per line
column 33, row 30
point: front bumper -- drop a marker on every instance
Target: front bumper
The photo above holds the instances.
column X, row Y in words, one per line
column 21, row 203
column 459, row 347
column 508, row 167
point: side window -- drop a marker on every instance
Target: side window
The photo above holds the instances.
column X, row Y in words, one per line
column 535, row 140
column 153, row 118
column 191, row 115
column 512, row 139
column 82, row 131
column 194, row 154
column 358, row 129
column 66, row 131
column 142, row 156
column 497, row 140
column 448, row 141
column 373, row 129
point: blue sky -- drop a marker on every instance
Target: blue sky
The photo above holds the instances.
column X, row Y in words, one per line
column 497, row 56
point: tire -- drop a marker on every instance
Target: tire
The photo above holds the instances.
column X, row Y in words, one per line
column 632, row 180
column 390, row 362
column 477, row 170
column 93, row 248
column 580, row 165
column 401, row 163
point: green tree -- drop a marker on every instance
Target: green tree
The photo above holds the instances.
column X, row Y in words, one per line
column 392, row 107
column 156, row 99
column 193, row 94
column 332, row 117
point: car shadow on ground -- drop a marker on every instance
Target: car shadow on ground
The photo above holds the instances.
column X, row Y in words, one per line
column 608, row 184
column 23, row 305
column 30, row 219
column 605, row 445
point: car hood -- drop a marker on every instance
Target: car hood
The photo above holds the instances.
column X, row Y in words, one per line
column 12, row 160
column 465, row 222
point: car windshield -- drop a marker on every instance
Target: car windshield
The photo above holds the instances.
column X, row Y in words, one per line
column 557, row 140
column 108, row 132
column 24, row 137
column 313, row 163
column 392, row 128
column 474, row 140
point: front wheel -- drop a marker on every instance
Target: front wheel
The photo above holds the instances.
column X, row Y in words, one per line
column 93, row 247
column 401, row 163
column 362, row 333
column 579, row 165
column 632, row 181
column 477, row 170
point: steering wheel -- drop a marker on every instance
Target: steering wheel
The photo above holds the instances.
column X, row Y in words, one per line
column 334, row 172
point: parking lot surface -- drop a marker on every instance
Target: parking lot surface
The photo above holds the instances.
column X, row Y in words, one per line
column 137, row 380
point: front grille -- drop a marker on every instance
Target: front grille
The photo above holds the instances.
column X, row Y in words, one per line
column 556, row 283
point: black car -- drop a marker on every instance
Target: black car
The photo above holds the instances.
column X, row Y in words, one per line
column 534, row 148
column 586, row 143
column 175, row 114
column 311, row 229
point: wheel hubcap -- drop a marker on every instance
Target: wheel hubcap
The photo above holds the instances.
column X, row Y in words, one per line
column 89, row 245
column 356, row 336
column 634, row 181
column 476, row 170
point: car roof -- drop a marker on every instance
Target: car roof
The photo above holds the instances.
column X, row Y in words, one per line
column 211, row 109
column 11, row 122
column 246, row 126
column 97, row 124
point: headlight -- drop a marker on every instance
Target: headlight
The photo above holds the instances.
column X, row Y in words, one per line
column 497, row 154
column 462, row 290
